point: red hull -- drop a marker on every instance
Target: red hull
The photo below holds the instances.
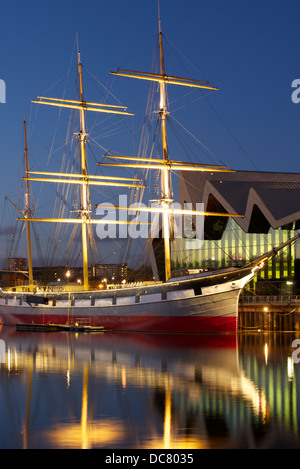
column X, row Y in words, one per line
column 136, row 323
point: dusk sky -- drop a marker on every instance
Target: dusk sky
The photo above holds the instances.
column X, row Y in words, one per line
column 249, row 50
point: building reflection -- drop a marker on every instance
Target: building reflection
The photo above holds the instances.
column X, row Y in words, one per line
column 267, row 361
column 169, row 391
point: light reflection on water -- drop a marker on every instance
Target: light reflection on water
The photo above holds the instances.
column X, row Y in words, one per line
column 153, row 391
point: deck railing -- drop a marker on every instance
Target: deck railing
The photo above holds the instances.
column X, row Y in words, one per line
column 282, row 299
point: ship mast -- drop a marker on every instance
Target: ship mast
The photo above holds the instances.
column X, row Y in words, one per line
column 28, row 211
column 166, row 198
column 83, row 178
column 165, row 165
column 85, row 203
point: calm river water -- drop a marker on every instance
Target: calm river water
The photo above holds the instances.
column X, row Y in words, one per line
column 148, row 391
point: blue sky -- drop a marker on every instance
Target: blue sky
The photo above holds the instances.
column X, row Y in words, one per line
column 249, row 50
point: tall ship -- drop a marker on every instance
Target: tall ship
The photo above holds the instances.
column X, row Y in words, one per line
column 197, row 302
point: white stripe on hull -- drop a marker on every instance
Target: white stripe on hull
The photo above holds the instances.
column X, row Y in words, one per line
column 213, row 304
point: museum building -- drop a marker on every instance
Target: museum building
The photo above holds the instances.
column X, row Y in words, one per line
column 269, row 203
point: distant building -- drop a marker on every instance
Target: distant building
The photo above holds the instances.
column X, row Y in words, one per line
column 17, row 263
column 16, row 272
column 113, row 273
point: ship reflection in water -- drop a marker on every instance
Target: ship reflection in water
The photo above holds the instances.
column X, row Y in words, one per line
column 146, row 391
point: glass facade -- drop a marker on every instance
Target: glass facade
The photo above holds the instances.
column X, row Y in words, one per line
column 237, row 248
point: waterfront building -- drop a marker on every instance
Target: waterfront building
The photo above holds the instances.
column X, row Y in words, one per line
column 112, row 273
column 17, row 264
column 270, row 203
column 15, row 271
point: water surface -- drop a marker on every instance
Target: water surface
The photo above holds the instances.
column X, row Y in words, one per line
column 148, row 391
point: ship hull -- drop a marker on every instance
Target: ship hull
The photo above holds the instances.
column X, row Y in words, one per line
column 216, row 313
column 192, row 305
